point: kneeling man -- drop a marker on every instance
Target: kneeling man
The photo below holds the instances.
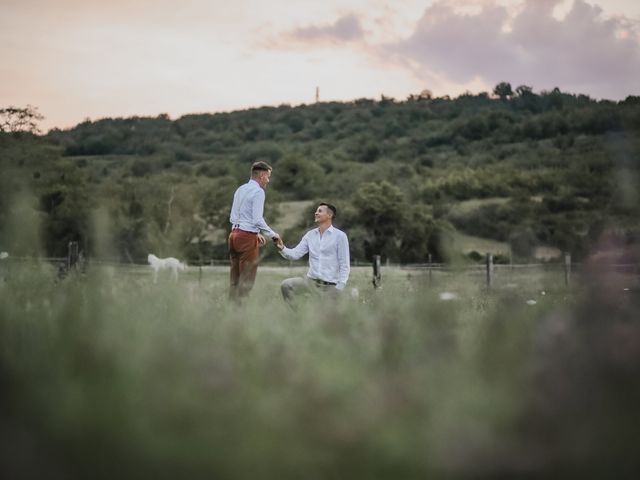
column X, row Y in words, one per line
column 328, row 250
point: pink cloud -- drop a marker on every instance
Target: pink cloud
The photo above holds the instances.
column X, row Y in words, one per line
column 582, row 52
column 345, row 29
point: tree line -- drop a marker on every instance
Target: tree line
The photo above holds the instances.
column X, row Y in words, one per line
column 565, row 166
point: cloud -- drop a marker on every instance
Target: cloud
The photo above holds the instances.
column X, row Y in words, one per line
column 345, row 29
column 581, row 52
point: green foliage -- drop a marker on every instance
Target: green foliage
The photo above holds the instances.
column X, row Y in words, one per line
column 387, row 225
column 381, row 209
column 21, row 224
column 503, row 90
column 66, row 201
column 576, row 155
column 522, row 242
column 299, row 178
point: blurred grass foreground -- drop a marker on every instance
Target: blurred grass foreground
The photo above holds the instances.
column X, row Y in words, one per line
column 106, row 375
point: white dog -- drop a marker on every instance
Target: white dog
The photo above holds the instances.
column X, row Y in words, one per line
column 168, row 263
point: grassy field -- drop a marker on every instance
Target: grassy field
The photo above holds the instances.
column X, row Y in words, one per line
column 467, row 243
column 468, row 206
column 107, row 375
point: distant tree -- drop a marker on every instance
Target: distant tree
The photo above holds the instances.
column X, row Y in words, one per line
column 555, row 99
column 268, row 151
column 631, row 100
column 503, row 90
column 369, row 152
column 298, row 177
column 381, row 209
column 474, row 128
column 527, row 100
column 384, row 100
column 524, row 90
column 65, row 202
column 522, row 241
column 14, row 119
column 215, row 200
column 420, row 235
column 425, row 94
column 141, row 167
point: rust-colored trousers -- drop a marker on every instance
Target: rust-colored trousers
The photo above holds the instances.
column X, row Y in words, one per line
column 243, row 253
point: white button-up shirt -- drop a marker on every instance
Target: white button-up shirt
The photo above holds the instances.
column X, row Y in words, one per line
column 328, row 255
column 248, row 208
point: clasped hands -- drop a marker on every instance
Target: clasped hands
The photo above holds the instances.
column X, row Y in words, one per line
column 277, row 241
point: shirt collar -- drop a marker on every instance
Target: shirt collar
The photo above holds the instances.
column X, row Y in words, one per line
column 330, row 229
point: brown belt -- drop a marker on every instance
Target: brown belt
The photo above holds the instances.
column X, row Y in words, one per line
column 238, row 229
column 322, row 282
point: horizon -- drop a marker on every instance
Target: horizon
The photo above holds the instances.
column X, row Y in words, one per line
column 309, row 104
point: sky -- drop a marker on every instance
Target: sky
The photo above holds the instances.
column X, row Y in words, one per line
column 87, row 59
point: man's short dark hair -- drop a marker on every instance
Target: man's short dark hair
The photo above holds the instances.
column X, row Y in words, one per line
column 330, row 207
column 260, row 167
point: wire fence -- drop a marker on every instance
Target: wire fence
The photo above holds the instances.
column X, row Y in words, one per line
column 563, row 273
column 553, row 275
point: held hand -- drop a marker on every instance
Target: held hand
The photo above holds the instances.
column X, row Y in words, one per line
column 261, row 240
column 278, row 242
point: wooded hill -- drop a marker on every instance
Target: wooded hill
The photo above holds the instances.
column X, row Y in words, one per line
column 553, row 169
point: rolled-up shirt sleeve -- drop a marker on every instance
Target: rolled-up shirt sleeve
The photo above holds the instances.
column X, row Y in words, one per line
column 296, row 252
column 258, row 212
column 344, row 262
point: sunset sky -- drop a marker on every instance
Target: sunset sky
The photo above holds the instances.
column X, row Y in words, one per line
column 78, row 59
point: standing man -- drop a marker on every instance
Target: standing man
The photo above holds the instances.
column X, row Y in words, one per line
column 247, row 222
column 329, row 263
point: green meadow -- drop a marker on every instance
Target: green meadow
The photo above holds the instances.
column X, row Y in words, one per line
column 108, row 375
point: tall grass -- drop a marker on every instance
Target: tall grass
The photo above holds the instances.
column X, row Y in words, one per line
column 106, row 375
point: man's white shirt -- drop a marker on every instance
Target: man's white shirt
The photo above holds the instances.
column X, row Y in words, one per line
column 328, row 255
column 247, row 209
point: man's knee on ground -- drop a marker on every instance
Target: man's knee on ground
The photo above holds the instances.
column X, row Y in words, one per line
column 286, row 287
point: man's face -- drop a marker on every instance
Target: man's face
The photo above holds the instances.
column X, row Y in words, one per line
column 322, row 214
column 264, row 178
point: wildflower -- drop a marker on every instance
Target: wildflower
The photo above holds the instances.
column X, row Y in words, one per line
column 448, row 296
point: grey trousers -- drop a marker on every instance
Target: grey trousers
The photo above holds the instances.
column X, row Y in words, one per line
column 299, row 286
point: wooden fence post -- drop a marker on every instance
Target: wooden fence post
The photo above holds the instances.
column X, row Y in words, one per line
column 377, row 274
column 4, row 270
column 567, row 269
column 489, row 262
column 430, row 268
column 72, row 255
